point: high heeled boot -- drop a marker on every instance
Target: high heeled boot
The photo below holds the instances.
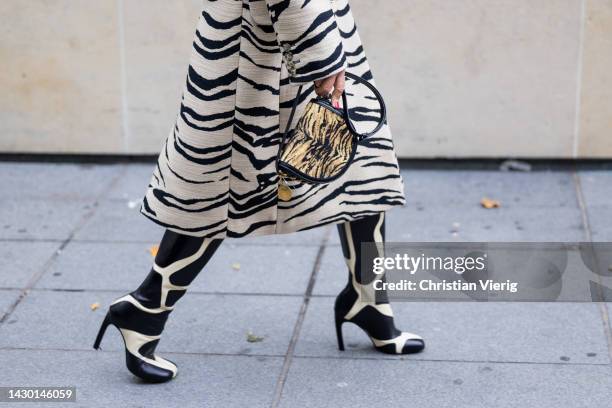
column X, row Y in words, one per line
column 141, row 315
column 358, row 303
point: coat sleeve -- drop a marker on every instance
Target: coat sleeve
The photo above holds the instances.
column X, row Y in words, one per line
column 309, row 38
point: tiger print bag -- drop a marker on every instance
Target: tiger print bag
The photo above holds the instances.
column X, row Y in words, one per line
column 322, row 145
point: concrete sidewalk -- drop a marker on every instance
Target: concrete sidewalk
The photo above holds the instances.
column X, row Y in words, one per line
column 72, row 236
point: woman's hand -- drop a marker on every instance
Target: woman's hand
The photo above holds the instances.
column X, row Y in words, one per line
column 334, row 85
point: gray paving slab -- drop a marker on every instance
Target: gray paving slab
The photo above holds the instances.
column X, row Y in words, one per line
column 49, row 319
column 468, row 331
column 233, row 269
column 609, row 306
column 332, row 276
column 27, row 219
column 596, row 187
column 7, row 298
column 56, row 181
column 120, row 221
column 102, row 380
column 577, row 278
column 20, row 260
column 597, row 192
column 476, row 224
column 200, row 323
column 258, row 269
column 99, row 266
column 599, row 223
column 435, row 188
column 132, row 184
column 221, row 323
column 397, row 383
column 536, row 224
column 445, row 206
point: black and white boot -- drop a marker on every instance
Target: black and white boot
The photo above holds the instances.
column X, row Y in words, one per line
column 358, row 303
column 141, row 315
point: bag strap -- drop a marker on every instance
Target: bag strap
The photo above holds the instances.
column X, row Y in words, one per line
column 296, row 102
column 349, row 122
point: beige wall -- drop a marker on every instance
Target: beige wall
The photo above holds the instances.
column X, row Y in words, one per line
column 462, row 78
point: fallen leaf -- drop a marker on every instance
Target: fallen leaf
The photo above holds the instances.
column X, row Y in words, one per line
column 236, row 266
column 94, row 306
column 489, row 203
column 153, row 250
column 252, row 338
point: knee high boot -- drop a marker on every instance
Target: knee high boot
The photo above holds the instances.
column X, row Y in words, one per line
column 141, row 315
column 371, row 313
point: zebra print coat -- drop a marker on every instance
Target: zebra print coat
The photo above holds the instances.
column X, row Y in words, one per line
column 216, row 175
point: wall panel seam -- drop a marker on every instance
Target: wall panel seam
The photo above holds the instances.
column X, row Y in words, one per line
column 125, row 128
column 579, row 79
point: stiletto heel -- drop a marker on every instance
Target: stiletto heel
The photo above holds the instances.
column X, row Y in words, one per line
column 105, row 323
column 339, row 321
column 141, row 315
column 138, row 330
column 377, row 322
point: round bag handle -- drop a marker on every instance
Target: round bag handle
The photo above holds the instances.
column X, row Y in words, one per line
column 347, row 118
column 379, row 98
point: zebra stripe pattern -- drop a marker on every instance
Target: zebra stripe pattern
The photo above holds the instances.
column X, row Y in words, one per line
column 216, row 174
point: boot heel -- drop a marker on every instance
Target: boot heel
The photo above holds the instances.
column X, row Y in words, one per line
column 105, row 323
column 339, row 321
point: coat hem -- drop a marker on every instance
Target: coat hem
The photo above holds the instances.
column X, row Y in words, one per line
column 309, row 225
column 174, row 228
column 263, row 232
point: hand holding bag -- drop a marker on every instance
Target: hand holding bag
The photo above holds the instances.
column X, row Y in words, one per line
column 322, row 145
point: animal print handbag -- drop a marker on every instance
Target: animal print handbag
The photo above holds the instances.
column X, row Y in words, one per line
column 322, row 145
